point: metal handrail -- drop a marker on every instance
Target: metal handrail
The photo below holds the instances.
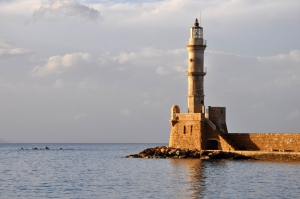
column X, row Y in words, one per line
column 202, row 42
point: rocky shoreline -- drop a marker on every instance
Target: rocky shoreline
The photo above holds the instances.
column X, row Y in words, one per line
column 176, row 153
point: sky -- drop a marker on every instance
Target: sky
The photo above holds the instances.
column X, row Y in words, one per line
column 93, row 71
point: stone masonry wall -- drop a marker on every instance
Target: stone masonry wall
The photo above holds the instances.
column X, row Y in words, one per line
column 215, row 135
column 266, row 141
column 186, row 134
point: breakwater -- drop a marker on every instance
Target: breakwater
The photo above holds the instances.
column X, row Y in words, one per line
column 170, row 152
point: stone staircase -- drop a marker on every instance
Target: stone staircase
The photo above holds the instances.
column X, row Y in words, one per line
column 221, row 130
column 228, row 141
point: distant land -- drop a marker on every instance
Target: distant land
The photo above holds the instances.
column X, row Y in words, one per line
column 2, row 141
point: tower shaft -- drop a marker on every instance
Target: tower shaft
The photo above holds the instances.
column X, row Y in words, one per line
column 196, row 46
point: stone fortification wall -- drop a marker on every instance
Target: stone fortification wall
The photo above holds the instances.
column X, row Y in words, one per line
column 186, row 131
column 217, row 115
column 215, row 135
column 189, row 116
column 266, row 141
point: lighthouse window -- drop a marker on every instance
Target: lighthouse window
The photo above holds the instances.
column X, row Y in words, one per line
column 184, row 130
column 197, row 33
column 191, row 60
column 191, row 129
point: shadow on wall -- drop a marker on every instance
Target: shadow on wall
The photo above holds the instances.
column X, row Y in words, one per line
column 230, row 142
column 242, row 141
column 213, row 144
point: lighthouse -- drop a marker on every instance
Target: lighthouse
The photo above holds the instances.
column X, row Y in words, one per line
column 196, row 46
column 206, row 129
column 197, row 129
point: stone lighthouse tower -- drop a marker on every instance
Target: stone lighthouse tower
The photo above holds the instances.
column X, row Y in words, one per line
column 196, row 46
column 197, row 129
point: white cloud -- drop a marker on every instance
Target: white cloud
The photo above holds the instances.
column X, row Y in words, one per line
column 180, row 68
column 284, row 68
column 58, row 84
column 5, row 42
column 293, row 115
column 19, row 7
column 124, row 57
column 163, row 62
column 15, row 52
column 177, row 51
column 65, row 9
column 151, row 52
column 293, row 55
column 148, row 52
column 141, row 44
column 58, row 64
column 88, row 84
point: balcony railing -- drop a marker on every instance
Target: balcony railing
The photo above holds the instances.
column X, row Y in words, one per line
column 197, row 73
column 201, row 42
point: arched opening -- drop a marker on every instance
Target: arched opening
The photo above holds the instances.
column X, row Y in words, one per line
column 212, row 145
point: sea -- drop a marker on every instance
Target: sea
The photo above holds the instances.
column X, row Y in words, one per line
column 101, row 171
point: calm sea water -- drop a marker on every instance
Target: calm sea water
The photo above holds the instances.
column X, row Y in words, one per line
column 101, row 171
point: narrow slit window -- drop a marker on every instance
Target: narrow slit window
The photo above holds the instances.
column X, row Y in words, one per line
column 184, row 130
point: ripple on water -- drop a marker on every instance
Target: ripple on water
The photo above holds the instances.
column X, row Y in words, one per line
column 100, row 171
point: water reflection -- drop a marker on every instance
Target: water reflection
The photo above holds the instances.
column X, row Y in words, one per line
column 191, row 170
column 197, row 175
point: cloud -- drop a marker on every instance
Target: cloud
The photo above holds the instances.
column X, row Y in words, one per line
column 65, row 9
column 16, row 52
column 283, row 67
column 163, row 62
column 5, row 42
column 7, row 51
column 58, row 84
column 293, row 115
column 179, row 69
column 58, row 64
column 292, row 56
column 124, row 57
column 88, row 84
column 148, row 44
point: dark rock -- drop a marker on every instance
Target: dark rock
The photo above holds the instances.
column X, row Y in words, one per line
column 142, row 155
column 132, row 156
column 169, row 152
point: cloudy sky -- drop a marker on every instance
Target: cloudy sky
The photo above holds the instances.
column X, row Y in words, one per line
column 110, row 70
